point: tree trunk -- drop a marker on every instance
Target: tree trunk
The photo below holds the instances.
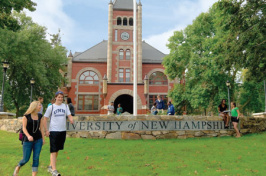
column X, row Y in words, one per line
column 17, row 109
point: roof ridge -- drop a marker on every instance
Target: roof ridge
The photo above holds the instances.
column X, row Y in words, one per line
column 152, row 47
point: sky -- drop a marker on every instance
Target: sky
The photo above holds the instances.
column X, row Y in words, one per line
column 84, row 23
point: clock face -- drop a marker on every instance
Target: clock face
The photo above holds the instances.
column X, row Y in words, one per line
column 125, row 36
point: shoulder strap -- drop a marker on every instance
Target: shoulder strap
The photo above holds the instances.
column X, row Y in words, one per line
column 66, row 109
column 51, row 112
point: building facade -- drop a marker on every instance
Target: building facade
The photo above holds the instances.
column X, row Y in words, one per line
column 104, row 73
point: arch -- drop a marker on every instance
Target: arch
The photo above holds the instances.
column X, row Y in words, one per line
column 89, row 77
column 158, row 78
column 124, row 21
column 155, row 70
column 126, row 102
column 131, row 21
column 88, row 69
column 119, row 21
column 128, row 92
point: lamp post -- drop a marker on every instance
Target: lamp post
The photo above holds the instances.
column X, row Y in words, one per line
column 5, row 67
column 228, row 85
column 32, row 82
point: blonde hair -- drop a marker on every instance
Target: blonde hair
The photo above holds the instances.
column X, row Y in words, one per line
column 32, row 107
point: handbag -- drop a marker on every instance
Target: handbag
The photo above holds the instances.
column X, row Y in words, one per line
column 21, row 135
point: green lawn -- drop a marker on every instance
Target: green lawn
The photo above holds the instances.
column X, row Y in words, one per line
column 206, row 156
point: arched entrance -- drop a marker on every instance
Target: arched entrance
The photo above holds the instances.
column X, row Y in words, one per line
column 126, row 102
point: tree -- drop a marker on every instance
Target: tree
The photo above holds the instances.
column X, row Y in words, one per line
column 215, row 48
column 6, row 6
column 30, row 56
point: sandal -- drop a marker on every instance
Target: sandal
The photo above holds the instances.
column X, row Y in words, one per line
column 15, row 173
column 55, row 173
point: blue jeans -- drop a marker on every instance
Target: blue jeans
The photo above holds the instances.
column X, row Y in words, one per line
column 36, row 147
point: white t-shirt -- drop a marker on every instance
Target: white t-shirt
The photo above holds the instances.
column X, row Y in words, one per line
column 110, row 107
column 58, row 117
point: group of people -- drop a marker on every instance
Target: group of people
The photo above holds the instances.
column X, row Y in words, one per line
column 158, row 106
column 235, row 114
column 111, row 109
column 35, row 128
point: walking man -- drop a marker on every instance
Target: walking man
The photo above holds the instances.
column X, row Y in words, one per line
column 160, row 104
column 57, row 113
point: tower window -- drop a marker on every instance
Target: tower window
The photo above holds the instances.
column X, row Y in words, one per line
column 121, row 54
column 124, row 75
column 121, row 75
column 119, row 21
column 128, row 54
column 125, row 22
column 127, row 75
column 130, row 21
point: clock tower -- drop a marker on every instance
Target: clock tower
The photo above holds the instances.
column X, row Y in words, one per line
column 120, row 42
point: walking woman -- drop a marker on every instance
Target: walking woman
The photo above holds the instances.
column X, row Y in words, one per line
column 32, row 126
column 235, row 118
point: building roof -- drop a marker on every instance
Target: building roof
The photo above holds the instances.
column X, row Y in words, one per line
column 151, row 54
column 98, row 53
column 123, row 5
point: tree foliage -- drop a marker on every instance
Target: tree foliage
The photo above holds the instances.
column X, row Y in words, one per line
column 6, row 6
column 219, row 44
column 30, row 55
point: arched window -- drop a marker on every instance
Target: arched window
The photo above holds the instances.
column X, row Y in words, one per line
column 125, row 22
column 130, row 21
column 119, row 21
column 121, row 54
column 89, row 77
column 128, row 54
column 158, row 78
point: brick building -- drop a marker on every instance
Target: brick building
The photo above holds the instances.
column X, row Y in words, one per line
column 104, row 72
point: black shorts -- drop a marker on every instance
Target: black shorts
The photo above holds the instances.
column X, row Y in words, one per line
column 57, row 140
column 234, row 119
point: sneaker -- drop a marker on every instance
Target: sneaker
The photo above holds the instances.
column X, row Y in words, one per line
column 49, row 169
column 55, row 173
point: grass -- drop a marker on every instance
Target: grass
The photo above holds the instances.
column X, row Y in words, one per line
column 201, row 156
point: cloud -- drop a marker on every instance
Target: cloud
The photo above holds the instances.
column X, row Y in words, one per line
column 160, row 41
column 49, row 13
column 182, row 13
